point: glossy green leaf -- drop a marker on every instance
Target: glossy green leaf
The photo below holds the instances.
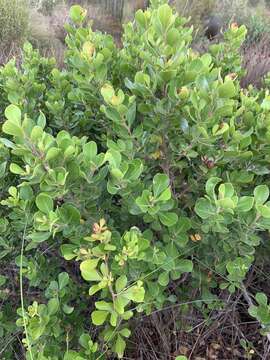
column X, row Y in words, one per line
column 94, row 289
column 261, row 298
column 77, row 13
column 226, row 203
column 160, row 183
column 173, row 37
column 143, row 201
column 204, row 208
column 168, row 219
column 68, row 309
column 210, row 186
column 245, row 203
column 99, row 316
column 140, row 18
column 135, row 293
column 184, row 265
column 165, row 195
column 53, row 306
column 39, row 237
column 264, row 211
column 72, row 355
column 227, row 90
column 165, row 16
column 226, row 190
column 164, row 279
column 88, row 270
column 69, row 215
column 90, row 151
column 113, row 318
column 220, row 129
column 16, row 169
column 12, row 128
column 120, row 283
column 52, row 153
column 125, row 332
column 68, row 251
column 63, row 280
column 120, row 346
column 44, row 203
column 261, row 194
column 13, row 114
column 103, row 305
column 119, row 305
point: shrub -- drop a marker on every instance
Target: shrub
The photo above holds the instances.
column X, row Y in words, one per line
column 13, row 21
column 258, row 27
column 47, row 6
column 126, row 172
column 233, row 10
column 255, row 19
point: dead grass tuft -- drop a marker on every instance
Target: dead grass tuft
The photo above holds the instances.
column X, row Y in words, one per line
column 223, row 334
column 256, row 61
column 9, row 52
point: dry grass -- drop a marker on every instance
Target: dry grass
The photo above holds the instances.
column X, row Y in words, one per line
column 57, row 21
column 256, row 61
column 197, row 10
column 10, row 52
column 45, row 28
column 225, row 333
column 45, row 33
column 160, row 337
column 14, row 19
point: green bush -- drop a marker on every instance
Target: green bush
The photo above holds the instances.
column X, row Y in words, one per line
column 121, row 174
column 13, row 21
column 258, row 27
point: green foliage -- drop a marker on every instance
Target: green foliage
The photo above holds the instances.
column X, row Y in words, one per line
column 122, row 173
column 13, row 21
column 261, row 312
column 258, row 27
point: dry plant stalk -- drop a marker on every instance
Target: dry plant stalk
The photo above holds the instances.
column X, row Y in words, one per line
column 256, row 61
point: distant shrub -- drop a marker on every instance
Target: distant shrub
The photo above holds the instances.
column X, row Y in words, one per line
column 13, row 21
column 47, row 6
column 258, row 26
column 232, row 11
